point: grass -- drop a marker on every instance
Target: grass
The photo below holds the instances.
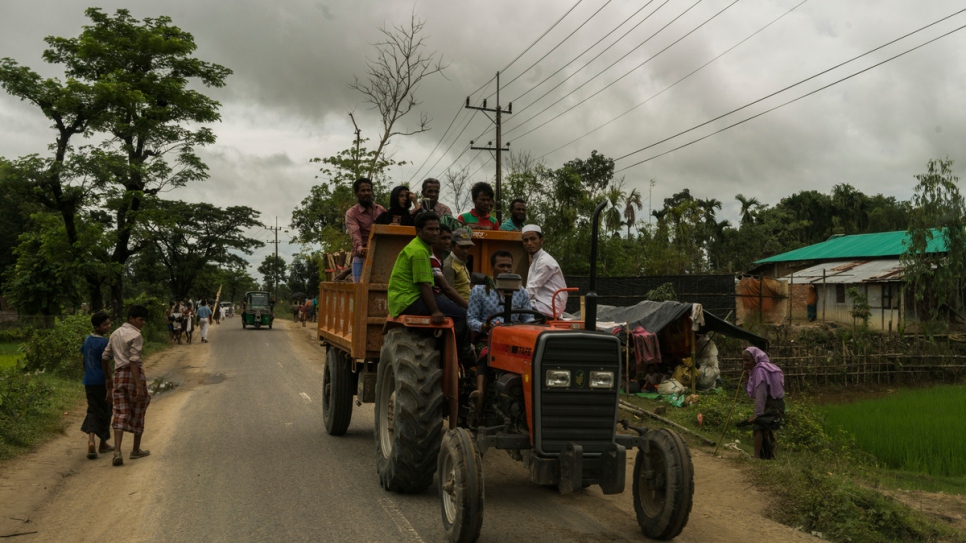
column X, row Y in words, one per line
column 821, row 482
column 33, row 409
column 9, row 354
column 918, row 431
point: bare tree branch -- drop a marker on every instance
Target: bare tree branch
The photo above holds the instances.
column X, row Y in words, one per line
column 393, row 76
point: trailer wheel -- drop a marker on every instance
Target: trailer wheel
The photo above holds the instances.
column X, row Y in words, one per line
column 336, row 393
column 409, row 416
column 460, row 477
column 663, row 501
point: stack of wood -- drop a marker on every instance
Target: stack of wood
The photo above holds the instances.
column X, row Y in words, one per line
column 335, row 263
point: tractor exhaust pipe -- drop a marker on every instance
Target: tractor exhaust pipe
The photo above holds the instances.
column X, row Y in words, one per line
column 590, row 299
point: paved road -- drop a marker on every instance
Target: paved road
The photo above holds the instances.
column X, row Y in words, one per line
column 239, row 453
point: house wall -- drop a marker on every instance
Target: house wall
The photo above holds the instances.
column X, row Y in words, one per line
column 834, row 304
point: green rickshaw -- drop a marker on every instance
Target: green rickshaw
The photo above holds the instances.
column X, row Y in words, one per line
column 258, row 310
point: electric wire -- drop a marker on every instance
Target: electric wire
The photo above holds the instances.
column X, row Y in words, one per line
column 584, row 52
column 782, row 104
column 547, row 31
column 521, row 74
column 755, row 33
column 626, row 73
column 589, row 62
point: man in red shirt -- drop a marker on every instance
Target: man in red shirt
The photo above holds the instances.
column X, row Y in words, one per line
column 358, row 221
column 479, row 217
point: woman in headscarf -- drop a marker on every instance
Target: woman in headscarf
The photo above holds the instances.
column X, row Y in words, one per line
column 766, row 385
column 398, row 213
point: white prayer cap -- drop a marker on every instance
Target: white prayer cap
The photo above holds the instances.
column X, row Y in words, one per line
column 531, row 228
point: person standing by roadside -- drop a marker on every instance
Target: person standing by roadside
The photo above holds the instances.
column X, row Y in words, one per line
column 766, row 385
column 204, row 314
column 544, row 277
column 518, row 217
column 131, row 396
column 479, row 217
column 98, row 384
column 358, row 221
column 315, row 309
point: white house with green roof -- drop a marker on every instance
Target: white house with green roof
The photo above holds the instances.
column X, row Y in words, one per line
column 869, row 262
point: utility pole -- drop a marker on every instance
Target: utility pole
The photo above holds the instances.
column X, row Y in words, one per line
column 358, row 142
column 498, row 111
column 275, row 265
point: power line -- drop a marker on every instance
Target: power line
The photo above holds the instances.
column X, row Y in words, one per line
column 558, row 44
column 801, row 82
column 789, row 101
column 631, row 16
column 542, row 35
column 629, row 71
column 755, row 33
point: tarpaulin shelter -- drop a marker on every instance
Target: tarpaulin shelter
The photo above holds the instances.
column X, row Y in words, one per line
column 655, row 316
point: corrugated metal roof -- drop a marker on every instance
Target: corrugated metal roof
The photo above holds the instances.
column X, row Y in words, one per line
column 850, row 272
column 859, row 246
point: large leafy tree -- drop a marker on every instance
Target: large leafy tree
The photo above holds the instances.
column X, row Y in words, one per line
column 134, row 81
column 935, row 279
column 187, row 236
column 272, row 269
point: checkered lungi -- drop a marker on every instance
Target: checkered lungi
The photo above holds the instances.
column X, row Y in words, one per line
column 128, row 414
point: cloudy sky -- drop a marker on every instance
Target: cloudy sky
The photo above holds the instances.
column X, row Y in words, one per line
column 292, row 60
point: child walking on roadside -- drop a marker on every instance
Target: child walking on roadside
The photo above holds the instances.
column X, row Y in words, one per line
column 98, row 384
column 131, row 397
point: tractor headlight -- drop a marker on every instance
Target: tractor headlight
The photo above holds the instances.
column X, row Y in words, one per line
column 601, row 379
column 558, row 378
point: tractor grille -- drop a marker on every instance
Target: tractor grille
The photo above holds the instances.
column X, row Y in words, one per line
column 576, row 414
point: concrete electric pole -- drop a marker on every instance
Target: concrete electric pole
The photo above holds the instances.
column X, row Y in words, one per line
column 499, row 112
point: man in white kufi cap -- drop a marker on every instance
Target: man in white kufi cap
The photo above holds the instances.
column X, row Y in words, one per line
column 544, row 277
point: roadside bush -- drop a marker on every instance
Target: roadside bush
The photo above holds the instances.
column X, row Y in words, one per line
column 16, row 334
column 57, row 349
column 22, row 396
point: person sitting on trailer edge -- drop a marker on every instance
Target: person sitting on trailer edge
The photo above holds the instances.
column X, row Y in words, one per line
column 486, row 301
column 399, row 204
column 430, row 201
column 410, row 289
column 358, row 221
column 544, row 277
column 479, row 217
column 766, row 385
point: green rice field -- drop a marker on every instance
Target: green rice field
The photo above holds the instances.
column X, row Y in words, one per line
column 921, row 431
column 9, row 353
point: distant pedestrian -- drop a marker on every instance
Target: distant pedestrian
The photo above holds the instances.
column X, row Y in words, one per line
column 189, row 322
column 204, row 315
column 766, row 385
column 98, row 385
column 177, row 321
column 168, row 317
column 315, row 309
column 131, row 396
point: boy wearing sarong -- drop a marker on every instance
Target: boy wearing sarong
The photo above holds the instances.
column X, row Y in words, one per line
column 131, row 397
column 97, row 384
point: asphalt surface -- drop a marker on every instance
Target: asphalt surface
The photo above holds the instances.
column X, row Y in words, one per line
column 239, row 453
column 249, row 460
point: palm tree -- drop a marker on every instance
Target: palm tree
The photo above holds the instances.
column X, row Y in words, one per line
column 748, row 206
column 633, row 203
column 612, row 216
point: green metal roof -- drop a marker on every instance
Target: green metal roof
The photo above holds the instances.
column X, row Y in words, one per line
column 878, row 245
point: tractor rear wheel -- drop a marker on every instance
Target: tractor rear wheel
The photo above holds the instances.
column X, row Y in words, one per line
column 336, row 393
column 460, row 477
column 663, row 501
column 409, row 414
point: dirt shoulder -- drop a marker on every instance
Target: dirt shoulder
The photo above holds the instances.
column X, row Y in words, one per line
column 59, row 472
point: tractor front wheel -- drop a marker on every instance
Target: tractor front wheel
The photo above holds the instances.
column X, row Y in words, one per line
column 663, row 497
column 409, row 411
column 460, row 477
column 336, row 393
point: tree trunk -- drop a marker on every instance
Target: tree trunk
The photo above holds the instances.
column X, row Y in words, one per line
column 94, row 291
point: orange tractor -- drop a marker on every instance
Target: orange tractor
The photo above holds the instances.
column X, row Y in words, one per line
column 552, row 399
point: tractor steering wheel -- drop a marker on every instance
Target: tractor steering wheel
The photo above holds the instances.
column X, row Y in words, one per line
column 540, row 317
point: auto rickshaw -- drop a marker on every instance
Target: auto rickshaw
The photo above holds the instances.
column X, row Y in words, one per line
column 258, row 309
